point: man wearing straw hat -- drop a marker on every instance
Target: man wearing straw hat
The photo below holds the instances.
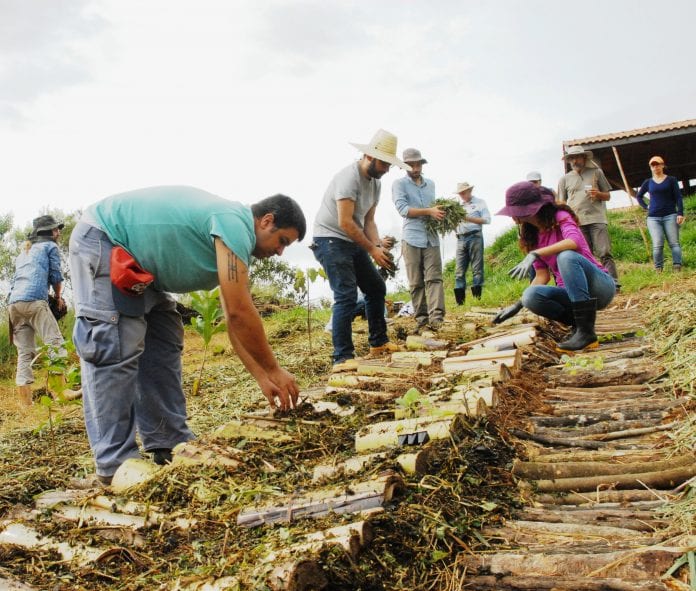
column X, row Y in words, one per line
column 586, row 190
column 346, row 241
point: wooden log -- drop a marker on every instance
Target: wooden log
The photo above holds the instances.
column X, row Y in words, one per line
column 623, row 371
column 664, row 479
column 465, row 402
column 482, row 364
column 627, row 517
column 593, row 419
column 540, row 532
column 618, row 456
column 388, row 433
column 423, row 358
column 601, row 428
column 411, row 463
column 644, row 564
column 548, row 471
column 628, row 433
column 603, row 496
column 612, row 389
column 613, row 406
column 558, row 441
column 511, row 339
column 558, row 583
column 424, row 343
column 300, row 575
column 376, row 367
column 358, row 497
column 345, row 380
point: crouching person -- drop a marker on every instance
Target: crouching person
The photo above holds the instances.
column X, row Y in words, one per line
column 555, row 246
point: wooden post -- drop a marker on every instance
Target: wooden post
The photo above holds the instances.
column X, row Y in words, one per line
column 629, row 192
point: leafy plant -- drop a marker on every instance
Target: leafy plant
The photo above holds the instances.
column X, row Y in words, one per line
column 574, row 364
column 208, row 324
column 454, row 215
column 411, row 402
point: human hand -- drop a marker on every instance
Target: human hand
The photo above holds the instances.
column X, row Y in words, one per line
column 437, row 213
column 680, row 220
column 521, row 270
column 280, row 389
column 388, row 242
column 382, row 257
column 508, row 312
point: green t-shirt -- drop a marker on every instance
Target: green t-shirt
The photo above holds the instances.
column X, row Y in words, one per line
column 170, row 231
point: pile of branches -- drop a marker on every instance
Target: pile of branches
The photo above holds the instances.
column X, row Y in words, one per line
column 455, row 214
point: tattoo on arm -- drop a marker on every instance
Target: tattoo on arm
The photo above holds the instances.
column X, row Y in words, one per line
column 232, row 271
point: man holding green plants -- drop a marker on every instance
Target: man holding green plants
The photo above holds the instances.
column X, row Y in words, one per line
column 413, row 196
column 126, row 253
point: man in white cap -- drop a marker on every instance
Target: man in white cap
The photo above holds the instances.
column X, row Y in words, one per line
column 470, row 243
column 534, row 177
column 413, row 196
column 586, row 190
column 346, row 241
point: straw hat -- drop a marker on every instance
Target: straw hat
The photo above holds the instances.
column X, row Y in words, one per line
column 577, row 151
column 383, row 147
column 461, row 187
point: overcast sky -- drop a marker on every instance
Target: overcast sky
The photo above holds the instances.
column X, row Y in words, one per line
column 250, row 98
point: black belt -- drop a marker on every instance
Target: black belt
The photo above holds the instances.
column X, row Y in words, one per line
column 468, row 233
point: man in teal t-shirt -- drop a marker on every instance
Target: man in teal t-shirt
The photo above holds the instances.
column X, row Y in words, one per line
column 126, row 253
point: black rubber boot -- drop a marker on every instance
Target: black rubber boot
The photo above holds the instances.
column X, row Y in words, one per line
column 459, row 295
column 584, row 337
column 476, row 291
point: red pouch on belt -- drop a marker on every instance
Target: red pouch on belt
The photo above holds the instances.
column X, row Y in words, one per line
column 128, row 282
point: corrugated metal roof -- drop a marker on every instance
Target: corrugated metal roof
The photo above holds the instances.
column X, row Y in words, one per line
column 587, row 141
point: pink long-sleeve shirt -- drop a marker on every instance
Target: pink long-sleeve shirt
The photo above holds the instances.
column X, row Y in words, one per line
column 566, row 229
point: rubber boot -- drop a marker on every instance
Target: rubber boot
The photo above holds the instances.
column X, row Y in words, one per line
column 476, row 291
column 584, row 337
column 459, row 295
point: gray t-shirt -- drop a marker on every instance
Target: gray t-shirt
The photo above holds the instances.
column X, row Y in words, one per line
column 347, row 184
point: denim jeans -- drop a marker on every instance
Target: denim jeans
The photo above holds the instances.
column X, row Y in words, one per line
column 583, row 280
column 660, row 228
column 348, row 266
column 131, row 366
column 469, row 251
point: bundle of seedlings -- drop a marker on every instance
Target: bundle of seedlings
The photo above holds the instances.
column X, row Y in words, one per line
column 455, row 214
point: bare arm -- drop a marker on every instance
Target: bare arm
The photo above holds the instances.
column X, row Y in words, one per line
column 367, row 238
column 246, row 332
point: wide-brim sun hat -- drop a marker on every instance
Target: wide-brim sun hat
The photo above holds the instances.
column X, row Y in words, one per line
column 525, row 199
column 577, row 151
column 383, row 147
column 44, row 223
column 461, row 187
column 413, row 155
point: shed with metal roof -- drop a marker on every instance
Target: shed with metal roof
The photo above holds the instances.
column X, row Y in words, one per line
column 626, row 153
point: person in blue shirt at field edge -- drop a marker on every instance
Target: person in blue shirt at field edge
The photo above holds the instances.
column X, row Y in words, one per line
column 413, row 196
column 37, row 269
column 126, row 253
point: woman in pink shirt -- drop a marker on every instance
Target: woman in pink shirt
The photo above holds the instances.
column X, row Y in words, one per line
column 555, row 247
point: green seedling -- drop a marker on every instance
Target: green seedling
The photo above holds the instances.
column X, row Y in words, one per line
column 209, row 323
column 412, row 401
column 574, row 364
column 301, row 285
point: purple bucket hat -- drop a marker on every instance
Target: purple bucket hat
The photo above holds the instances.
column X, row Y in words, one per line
column 524, row 199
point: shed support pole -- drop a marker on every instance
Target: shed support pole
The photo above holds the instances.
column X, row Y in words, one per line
column 629, row 192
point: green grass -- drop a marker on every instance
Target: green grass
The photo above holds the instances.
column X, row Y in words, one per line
column 628, row 247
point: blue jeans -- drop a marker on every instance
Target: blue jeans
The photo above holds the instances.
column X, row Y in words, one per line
column 469, row 251
column 348, row 266
column 583, row 280
column 131, row 366
column 660, row 228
